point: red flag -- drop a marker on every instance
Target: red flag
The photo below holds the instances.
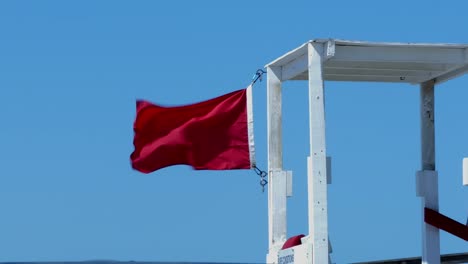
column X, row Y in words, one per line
column 212, row 135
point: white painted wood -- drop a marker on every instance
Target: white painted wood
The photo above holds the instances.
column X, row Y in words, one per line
column 308, row 243
column 427, row 126
column 287, row 256
column 289, row 183
column 276, row 179
column 430, row 234
column 390, row 44
column 383, row 72
column 289, row 56
column 465, row 171
column 317, row 162
column 424, row 182
column 274, row 122
column 250, row 126
column 343, row 60
column 378, row 62
column 277, row 209
column 272, row 256
column 373, row 78
column 330, row 50
column 455, row 72
column 295, row 67
column 378, row 72
column 390, row 66
column 399, row 54
column 293, row 255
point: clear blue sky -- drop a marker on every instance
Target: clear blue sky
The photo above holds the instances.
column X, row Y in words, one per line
column 70, row 72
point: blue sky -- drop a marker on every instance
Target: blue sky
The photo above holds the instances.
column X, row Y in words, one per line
column 70, row 72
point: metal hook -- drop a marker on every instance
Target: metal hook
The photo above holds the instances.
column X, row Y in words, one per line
column 262, row 174
column 258, row 75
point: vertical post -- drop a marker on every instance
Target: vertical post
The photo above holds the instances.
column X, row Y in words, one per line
column 465, row 172
column 430, row 197
column 277, row 180
column 317, row 162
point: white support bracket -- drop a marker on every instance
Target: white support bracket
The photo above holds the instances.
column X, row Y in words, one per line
column 330, row 49
column 426, row 183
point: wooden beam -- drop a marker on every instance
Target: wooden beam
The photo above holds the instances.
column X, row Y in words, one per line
column 430, row 234
column 317, row 162
column 295, row 67
column 277, row 180
column 399, row 54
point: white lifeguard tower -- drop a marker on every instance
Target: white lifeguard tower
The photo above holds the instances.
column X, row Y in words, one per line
column 341, row 60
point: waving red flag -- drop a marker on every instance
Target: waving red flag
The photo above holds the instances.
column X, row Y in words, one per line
column 212, row 135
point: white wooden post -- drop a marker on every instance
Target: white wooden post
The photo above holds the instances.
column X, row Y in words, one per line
column 317, row 162
column 428, row 175
column 465, row 171
column 276, row 179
